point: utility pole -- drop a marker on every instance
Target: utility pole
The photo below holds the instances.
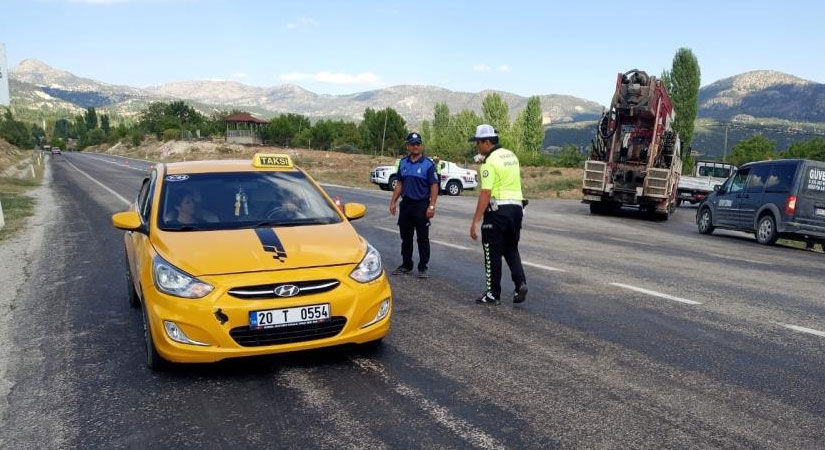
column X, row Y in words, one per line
column 384, row 135
column 725, row 151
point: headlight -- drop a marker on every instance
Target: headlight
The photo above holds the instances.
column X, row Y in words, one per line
column 369, row 268
column 173, row 281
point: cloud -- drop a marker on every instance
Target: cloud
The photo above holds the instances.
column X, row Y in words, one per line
column 481, row 68
column 366, row 78
column 301, row 23
column 504, row 68
column 239, row 75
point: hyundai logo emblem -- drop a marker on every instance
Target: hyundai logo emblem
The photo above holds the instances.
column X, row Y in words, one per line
column 287, row 290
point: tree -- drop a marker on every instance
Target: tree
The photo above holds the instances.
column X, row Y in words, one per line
column 533, row 126
column 464, row 123
column 666, row 80
column 496, row 113
column 514, row 138
column 97, row 137
column 809, row 149
column 104, row 123
column 426, row 133
column 63, row 129
column 444, row 137
column 15, row 132
column 569, row 156
column 373, row 130
column 755, row 148
column 90, row 117
column 685, row 79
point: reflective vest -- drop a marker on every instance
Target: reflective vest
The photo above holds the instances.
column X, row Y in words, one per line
column 501, row 175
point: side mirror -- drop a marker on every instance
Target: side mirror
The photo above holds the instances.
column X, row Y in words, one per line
column 128, row 221
column 354, row 211
column 717, row 188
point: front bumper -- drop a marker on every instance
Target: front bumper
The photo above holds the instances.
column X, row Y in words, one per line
column 201, row 319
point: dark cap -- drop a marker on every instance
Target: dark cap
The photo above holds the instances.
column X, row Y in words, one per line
column 413, row 138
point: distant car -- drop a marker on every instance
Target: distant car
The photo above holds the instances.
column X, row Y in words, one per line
column 55, row 151
column 243, row 258
column 453, row 179
column 772, row 199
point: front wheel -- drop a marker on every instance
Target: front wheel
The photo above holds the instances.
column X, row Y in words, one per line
column 705, row 223
column 134, row 300
column 392, row 183
column 766, row 233
column 153, row 359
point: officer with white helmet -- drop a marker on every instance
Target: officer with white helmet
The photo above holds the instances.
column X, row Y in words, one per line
column 500, row 205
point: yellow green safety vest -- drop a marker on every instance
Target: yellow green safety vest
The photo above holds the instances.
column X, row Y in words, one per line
column 501, row 175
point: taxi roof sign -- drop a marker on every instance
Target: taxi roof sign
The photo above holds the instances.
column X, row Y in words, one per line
column 272, row 160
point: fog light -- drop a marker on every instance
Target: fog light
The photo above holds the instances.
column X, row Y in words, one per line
column 383, row 310
column 176, row 334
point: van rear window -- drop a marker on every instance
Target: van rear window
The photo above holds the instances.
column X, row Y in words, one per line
column 815, row 181
column 781, row 179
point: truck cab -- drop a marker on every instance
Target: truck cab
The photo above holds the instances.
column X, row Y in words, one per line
column 706, row 176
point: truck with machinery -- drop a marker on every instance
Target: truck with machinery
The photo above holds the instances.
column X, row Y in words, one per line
column 706, row 176
column 635, row 157
column 454, row 179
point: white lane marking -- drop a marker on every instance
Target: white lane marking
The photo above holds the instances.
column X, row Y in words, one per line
column 434, row 241
column 655, row 294
column 803, row 329
column 543, row 267
column 108, row 189
column 543, row 227
column 629, row 241
column 737, row 259
column 463, row 429
column 118, row 164
column 126, row 157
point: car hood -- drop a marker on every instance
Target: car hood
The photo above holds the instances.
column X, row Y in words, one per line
column 250, row 250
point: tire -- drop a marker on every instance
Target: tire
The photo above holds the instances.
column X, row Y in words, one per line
column 598, row 208
column 154, row 361
column 766, row 233
column 454, row 188
column 134, row 300
column 705, row 222
column 391, row 184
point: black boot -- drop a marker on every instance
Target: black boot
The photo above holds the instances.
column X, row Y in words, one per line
column 520, row 295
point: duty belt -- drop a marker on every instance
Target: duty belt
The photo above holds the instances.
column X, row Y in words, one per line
column 508, row 202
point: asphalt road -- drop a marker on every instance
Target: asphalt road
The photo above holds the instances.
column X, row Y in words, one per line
column 636, row 334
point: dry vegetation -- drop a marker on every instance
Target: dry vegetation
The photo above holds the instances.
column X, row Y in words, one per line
column 336, row 168
column 15, row 181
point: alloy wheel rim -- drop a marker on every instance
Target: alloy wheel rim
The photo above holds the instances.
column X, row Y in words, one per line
column 765, row 230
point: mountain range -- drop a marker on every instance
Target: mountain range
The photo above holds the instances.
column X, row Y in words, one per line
column 38, row 87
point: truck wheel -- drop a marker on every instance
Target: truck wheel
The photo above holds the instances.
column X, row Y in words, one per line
column 705, row 223
column 454, row 188
column 766, row 233
column 393, row 181
column 598, row 208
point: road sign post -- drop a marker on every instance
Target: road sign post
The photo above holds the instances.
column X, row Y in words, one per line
column 2, row 219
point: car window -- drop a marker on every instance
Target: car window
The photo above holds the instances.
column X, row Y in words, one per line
column 142, row 195
column 715, row 172
column 220, row 201
column 781, row 179
column 757, row 179
column 146, row 209
column 738, row 182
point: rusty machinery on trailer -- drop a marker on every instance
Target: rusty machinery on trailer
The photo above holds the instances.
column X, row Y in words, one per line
column 635, row 157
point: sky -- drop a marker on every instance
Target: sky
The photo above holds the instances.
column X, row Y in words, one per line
column 336, row 47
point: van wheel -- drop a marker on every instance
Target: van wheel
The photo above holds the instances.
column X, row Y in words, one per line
column 154, row 361
column 705, row 223
column 454, row 188
column 766, row 230
column 392, row 183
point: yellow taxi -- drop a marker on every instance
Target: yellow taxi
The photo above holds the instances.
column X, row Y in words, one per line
column 242, row 258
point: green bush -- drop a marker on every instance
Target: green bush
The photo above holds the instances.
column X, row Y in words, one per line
column 171, row 134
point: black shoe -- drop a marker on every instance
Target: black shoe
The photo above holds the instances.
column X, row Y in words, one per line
column 520, row 295
column 488, row 299
column 401, row 270
column 423, row 273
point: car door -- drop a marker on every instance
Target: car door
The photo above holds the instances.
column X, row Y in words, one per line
column 140, row 241
column 810, row 203
column 728, row 202
column 750, row 200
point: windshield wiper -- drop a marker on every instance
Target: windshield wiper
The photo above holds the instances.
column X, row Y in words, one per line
column 184, row 228
column 291, row 223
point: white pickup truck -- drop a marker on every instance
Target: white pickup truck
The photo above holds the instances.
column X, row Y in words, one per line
column 454, row 179
column 707, row 175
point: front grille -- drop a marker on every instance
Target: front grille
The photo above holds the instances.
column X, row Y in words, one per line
column 263, row 291
column 257, row 337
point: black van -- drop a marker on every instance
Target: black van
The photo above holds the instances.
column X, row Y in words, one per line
column 773, row 199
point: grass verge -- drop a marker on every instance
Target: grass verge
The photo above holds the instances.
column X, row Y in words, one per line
column 17, row 205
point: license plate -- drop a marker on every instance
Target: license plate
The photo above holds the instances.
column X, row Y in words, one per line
column 593, row 198
column 820, row 212
column 273, row 318
column 685, row 195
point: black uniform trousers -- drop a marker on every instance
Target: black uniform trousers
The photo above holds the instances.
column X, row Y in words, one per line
column 500, row 233
column 412, row 220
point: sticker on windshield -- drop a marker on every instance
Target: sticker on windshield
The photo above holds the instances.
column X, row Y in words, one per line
column 177, row 177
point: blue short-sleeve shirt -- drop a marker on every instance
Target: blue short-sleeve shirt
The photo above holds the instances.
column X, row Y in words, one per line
column 416, row 177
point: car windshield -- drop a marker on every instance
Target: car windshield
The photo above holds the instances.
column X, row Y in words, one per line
column 221, row 201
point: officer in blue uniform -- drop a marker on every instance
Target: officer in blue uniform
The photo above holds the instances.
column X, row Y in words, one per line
column 418, row 188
